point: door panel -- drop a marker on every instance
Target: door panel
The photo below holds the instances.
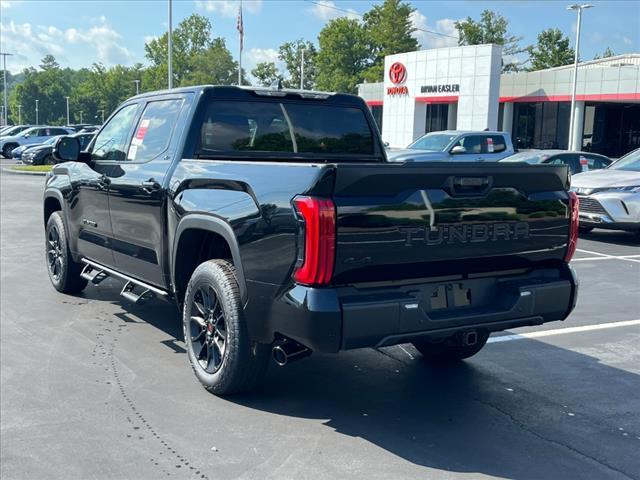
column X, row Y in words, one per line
column 137, row 195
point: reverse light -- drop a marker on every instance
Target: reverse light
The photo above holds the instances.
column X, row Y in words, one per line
column 574, row 212
column 317, row 253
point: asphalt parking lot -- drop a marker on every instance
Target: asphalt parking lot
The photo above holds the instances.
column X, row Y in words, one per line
column 92, row 387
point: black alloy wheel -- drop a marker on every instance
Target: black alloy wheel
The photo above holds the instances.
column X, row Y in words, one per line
column 208, row 329
column 63, row 271
column 55, row 256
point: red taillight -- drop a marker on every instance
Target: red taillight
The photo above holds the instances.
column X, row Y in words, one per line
column 315, row 265
column 574, row 212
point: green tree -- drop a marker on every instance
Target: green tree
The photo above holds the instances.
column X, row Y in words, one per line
column 343, row 56
column 491, row 28
column 266, row 73
column 606, row 54
column 389, row 30
column 291, row 54
column 552, row 50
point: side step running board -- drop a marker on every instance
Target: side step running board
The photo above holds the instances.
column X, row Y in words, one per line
column 95, row 273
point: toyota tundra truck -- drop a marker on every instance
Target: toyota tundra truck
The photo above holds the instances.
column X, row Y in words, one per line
column 274, row 221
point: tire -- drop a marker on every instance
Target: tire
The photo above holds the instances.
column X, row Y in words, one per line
column 221, row 353
column 584, row 230
column 64, row 273
column 48, row 160
column 450, row 350
column 6, row 150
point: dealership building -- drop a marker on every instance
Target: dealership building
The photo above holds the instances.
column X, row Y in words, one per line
column 462, row 88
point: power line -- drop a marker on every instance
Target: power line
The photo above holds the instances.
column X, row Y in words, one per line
column 352, row 12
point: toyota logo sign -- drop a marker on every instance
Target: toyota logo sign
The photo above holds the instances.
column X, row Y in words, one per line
column 397, row 73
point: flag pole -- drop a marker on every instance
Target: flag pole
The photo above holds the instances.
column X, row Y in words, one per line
column 240, row 27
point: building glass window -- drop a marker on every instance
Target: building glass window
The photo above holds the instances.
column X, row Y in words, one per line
column 436, row 117
column 376, row 111
column 543, row 125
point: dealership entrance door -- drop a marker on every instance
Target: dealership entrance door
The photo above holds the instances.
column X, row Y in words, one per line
column 611, row 129
column 436, row 117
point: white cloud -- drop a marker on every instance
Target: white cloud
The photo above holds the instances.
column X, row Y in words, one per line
column 33, row 42
column 254, row 56
column 326, row 10
column 229, row 8
column 443, row 34
column 627, row 40
column 8, row 3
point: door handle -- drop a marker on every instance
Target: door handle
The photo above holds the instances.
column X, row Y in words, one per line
column 103, row 182
column 150, row 186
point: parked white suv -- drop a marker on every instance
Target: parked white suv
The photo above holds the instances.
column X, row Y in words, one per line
column 30, row 136
column 455, row 145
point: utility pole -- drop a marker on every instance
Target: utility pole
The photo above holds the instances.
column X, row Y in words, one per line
column 170, row 49
column 37, row 123
column 576, row 7
column 302, row 68
column 137, row 82
column 4, row 84
column 19, row 114
column 68, row 122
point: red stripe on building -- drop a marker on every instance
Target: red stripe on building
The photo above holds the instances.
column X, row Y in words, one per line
column 598, row 97
column 374, row 103
column 438, row 99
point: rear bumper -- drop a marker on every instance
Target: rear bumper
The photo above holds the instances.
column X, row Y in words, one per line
column 330, row 320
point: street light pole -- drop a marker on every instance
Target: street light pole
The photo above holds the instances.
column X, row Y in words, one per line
column 68, row 122
column 19, row 114
column 576, row 7
column 170, row 49
column 81, row 117
column 302, row 68
column 102, row 112
column 137, row 82
column 4, row 84
column 37, row 123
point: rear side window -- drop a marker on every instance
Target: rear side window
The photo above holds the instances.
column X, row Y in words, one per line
column 154, row 129
column 284, row 127
column 568, row 160
column 496, row 144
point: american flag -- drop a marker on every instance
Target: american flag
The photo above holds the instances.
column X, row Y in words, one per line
column 240, row 27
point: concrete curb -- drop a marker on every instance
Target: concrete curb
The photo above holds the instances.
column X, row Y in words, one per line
column 22, row 172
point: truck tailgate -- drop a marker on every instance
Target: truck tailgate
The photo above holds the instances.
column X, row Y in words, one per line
column 417, row 220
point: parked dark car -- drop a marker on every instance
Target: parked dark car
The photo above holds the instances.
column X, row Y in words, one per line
column 273, row 219
column 577, row 162
column 42, row 154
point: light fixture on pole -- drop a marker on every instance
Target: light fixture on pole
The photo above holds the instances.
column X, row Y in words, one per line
column 302, row 68
column 169, row 48
column 137, row 82
column 578, row 8
column 4, row 83
column 68, row 122
column 19, row 114
column 37, row 123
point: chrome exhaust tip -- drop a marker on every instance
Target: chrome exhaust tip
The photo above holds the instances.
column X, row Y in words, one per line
column 287, row 351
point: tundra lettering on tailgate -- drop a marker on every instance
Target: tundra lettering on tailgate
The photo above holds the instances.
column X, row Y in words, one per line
column 468, row 233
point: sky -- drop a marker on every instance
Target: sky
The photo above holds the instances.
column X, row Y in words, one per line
column 79, row 33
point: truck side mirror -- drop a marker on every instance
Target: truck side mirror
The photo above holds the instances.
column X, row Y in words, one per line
column 458, row 149
column 66, row 149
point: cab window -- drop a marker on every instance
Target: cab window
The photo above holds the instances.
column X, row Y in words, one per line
column 112, row 141
column 153, row 132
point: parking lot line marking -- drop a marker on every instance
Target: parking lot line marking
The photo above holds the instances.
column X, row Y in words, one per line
column 592, row 252
column 630, row 258
column 561, row 331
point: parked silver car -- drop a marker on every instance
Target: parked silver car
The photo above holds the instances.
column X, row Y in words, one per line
column 455, row 145
column 577, row 162
column 610, row 198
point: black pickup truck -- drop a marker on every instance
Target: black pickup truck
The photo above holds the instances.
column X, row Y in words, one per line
column 273, row 220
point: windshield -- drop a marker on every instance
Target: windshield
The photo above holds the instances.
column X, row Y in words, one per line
column 52, row 140
column 10, row 131
column 527, row 157
column 630, row 162
column 432, row 142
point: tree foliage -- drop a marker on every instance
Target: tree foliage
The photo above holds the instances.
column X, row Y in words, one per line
column 266, row 73
column 491, row 28
column 389, row 30
column 552, row 50
column 343, row 57
column 291, row 54
column 606, row 54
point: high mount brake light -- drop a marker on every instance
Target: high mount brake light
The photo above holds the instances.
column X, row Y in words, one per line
column 316, row 262
column 574, row 212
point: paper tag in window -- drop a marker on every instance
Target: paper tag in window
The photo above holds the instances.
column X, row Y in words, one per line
column 489, row 144
column 141, row 132
column 133, row 150
column 584, row 163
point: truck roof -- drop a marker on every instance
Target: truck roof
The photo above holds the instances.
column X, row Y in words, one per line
column 231, row 91
column 464, row 132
